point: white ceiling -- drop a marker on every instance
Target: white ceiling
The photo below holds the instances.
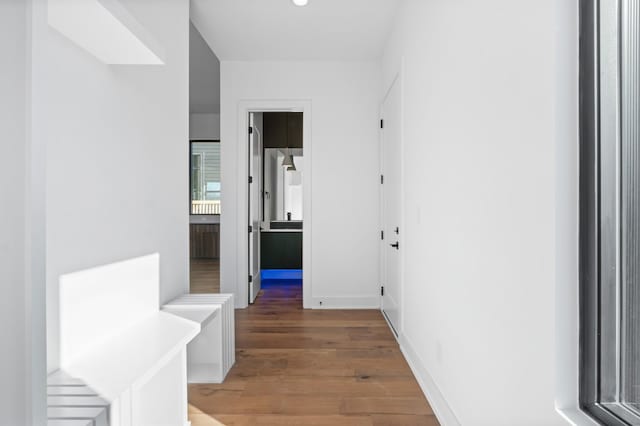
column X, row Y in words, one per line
column 204, row 75
column 278, row 30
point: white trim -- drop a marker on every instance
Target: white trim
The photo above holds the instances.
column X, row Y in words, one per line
column 386, row 319
column 438, row 403
column 398, row 78
column 34, row 227
column 566, row 113
column 242, row 267
column 354, row 302
column 401, row 219
column 381, row 241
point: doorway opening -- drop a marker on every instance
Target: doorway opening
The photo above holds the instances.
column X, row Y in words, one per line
column 205, row 182
column 275, row 203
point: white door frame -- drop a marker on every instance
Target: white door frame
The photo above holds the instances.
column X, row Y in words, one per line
column 244, row 108
column 398, row 78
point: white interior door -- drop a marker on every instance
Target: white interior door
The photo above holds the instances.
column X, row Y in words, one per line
column 255, row 203
column 391, row 154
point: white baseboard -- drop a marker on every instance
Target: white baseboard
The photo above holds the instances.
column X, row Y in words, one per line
column 345, row 302
column 440, row 407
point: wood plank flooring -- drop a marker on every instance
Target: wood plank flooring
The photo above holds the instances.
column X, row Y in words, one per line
column 311, row 367
column 205, row 276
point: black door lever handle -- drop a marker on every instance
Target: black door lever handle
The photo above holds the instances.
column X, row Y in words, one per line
column 396, row 245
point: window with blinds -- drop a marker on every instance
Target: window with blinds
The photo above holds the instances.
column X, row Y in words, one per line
column 205, row 177
column 610, row 211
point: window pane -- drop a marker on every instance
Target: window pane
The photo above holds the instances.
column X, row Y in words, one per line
column 630, row 200
column 196, row 177
column 205, row 178
column 609, row 189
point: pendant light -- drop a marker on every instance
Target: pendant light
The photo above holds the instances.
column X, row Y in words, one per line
column 292, row 167
column 287, row 163
column 288, row 160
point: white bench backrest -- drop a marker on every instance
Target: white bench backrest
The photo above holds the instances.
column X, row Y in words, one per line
column 98, row 303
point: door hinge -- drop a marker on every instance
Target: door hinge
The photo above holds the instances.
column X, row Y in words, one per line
column 382, row 124
column 250, row 179
column 250, row 130
column 382, row 235
column 381, row 179
column 250, row 229
column 250, row 278
column 382, row 291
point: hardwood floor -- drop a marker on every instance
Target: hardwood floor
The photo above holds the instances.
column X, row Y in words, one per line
column 205, row 276
column 311, row 367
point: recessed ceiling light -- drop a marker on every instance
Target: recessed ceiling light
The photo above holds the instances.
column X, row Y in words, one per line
column 300, row 2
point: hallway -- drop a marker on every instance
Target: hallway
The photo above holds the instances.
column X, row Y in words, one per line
column 204, row 276
column 311, row 367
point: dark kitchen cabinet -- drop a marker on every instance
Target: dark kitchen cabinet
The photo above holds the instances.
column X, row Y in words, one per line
column 283, row 129
column 281, row 250
column 294, row 129
column 205, row 241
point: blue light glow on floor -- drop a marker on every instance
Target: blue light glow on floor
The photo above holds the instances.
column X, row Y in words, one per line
column 281, row 274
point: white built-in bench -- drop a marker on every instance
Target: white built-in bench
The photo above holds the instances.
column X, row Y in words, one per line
column 115, row 341
column 211, row 354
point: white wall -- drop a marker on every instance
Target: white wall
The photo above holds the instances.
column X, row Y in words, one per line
column 117, row 157
column 204, row 126
column 22, row 359
column 13, row 158
column 271, row 184
column 292, row 190
column 479, row 167
column 345, row 104
column 279, row 192
column 204, row 75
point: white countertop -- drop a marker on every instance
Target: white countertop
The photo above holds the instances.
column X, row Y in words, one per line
column 204, row 219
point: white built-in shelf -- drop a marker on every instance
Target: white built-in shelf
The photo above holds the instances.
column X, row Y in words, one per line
column 136, row 353
column 211, row 354
column 204, row 353
column 201, row 315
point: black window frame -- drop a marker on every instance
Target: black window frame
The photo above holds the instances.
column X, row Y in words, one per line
column 191, row 142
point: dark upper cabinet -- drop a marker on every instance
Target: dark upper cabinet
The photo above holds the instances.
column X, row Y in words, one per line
column 282, row 129
column 275, row 129
column 294, row 129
